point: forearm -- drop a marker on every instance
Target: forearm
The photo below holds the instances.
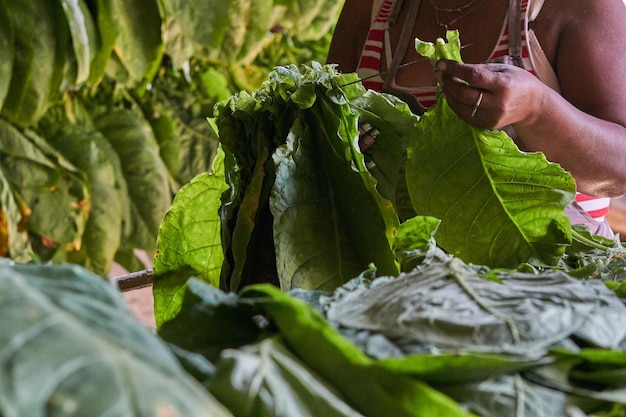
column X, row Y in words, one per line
column 593, row 150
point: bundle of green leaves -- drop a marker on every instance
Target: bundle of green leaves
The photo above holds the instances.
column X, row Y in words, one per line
column 290, row 200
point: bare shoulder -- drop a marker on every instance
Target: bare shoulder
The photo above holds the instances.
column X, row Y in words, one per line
column 584, row 40
column 583, row 14
column 350, row 33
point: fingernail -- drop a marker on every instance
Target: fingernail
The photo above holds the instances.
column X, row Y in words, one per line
column 441, row 65
column 369, row 138
column 364, row 128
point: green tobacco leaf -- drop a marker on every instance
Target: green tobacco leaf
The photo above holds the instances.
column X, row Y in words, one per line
column 38, row 61
column 265, row 377
column 88, row 150
column 54, row 189
column 453, row 368
column 261, row 18
column 107, row 32
column 7, row 46
column 300, row 14
column 71, row 333
column 166, row 131
column 498, row 205
column 147, row 177
column 234, row 38
column 189, row 241
column 510, row 395
column 22, row 16
column 206, row 23
column 323, row 21
column 415, row 244
column 328, row 226
column 138, row 45
column 85, row 40
column 14, row 242
column 372, row 389
column 393, row 118
column 450, row 48
column 210, row 321
column 318, row 226
column 452, row 307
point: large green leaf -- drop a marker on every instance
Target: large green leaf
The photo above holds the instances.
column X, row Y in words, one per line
column 85, row 38
column 22, row 15
column 498, row 205
column 139, row 45
column 322, row 22
column 147, row 177
column 261, row 17
column 393, row 118
column 263, row 378
column 69, row 345
column 301, row 13
column 372, row 389
column 14, row 241
column 38, row 61
column 206, row 23
column 452, row 307
column 189, row 241
column 328, row 226
column 219, row 321
column 7, row 46
column 107, row 32
column 93, row 154
column 54, row 189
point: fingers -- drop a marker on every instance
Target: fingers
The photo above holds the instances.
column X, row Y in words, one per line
column 471, row 91
column 482, row 76
column 367, row 136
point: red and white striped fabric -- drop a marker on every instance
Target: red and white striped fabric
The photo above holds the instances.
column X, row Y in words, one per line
column 369, row 68
column 596, row 207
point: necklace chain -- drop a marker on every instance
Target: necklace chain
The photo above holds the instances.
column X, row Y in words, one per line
column 464, row 10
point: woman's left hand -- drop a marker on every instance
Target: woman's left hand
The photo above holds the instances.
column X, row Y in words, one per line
column 490, row 95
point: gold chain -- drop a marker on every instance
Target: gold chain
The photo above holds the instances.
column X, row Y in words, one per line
column 464, row 10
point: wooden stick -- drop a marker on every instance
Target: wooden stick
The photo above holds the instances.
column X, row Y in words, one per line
column 134, row 280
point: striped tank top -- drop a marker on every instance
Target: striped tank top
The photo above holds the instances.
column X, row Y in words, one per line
column 532, row 58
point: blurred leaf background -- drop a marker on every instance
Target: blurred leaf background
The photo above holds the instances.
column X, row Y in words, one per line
column 103, row 107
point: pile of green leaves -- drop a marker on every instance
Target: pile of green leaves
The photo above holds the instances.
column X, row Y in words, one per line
column 290, row 166
column 103, row 107
column 447, row 338
column 501, row 306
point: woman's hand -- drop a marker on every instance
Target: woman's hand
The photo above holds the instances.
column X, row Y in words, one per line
column 367, row 136
column 490, row 95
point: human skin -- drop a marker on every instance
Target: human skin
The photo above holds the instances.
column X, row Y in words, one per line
column 583, row 127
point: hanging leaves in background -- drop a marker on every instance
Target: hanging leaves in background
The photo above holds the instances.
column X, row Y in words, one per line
column 89, row 150
column 7, row 46
column 55, row 191
column 167, row 63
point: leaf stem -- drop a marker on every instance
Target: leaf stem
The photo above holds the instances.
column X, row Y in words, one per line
column 589, row 242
